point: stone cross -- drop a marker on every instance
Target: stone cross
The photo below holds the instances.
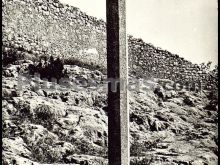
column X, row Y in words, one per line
column 117, row 70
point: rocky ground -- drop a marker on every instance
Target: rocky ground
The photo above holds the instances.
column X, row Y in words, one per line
column 56, row 124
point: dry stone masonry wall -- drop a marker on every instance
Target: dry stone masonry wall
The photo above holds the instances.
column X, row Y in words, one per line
column 48, row 27
column 163, row 64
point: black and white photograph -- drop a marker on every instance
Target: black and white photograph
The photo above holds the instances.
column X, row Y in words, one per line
column 109, row 82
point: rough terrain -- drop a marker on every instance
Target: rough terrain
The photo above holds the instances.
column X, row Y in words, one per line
column 69, row 125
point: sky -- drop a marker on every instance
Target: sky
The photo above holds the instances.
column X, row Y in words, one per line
column 188, row 28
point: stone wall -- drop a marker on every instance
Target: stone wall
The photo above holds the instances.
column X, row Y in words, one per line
column 48, row 27
column 163, row 64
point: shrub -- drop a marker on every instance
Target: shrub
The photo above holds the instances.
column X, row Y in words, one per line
column 139, row 148
column 23, row 110
column 43, row 112
column 212, row 105
column 99, row 100
column 213, row 101
column 91, row 66
column 44, row 115
column 42, row 150
column 48, row 69
column 143, row 161
column 86, row 147
column 11, row 56
column 23, row 107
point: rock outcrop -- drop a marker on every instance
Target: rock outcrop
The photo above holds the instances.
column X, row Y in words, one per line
column 40, row 126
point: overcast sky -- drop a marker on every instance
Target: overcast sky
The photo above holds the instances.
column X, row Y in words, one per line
column 184, row 27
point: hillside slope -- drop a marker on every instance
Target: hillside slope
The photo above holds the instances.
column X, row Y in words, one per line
column 48, row 27
column 69, row 125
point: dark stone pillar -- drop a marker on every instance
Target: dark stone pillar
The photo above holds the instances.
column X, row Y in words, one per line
column 117, row 66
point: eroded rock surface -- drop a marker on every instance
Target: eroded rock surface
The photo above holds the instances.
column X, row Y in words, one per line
column 67, row 123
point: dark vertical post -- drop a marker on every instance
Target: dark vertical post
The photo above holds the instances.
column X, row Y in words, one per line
column 117, row 68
